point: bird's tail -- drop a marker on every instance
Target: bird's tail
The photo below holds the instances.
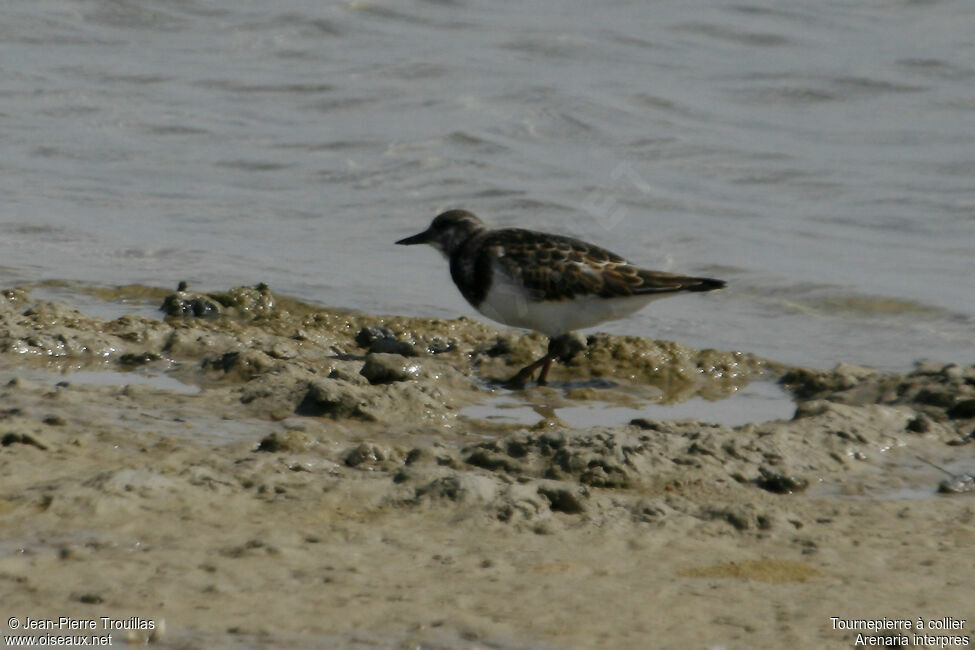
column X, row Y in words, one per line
column 659, row 282
column 704, row 284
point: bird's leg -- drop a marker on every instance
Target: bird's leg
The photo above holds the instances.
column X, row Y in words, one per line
column 562, row 347
column 518, row 381
column 547, row 359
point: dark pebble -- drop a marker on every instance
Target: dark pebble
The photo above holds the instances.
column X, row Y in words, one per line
column 957, row 484
column 935, row 397
column 271, row 444
column 962, row 410
column 919, row 424
column 372, row 333
column 562, row 500
column 131, row 359
column 777, row 482
column 438, row 345
column 387, row 369
column 190, row 306
column 392, row 346
column 492, row 461
column 362, row 454
column 644, row 423
column 24, row 439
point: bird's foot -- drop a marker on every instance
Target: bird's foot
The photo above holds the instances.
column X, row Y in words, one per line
column 525, row 374
column 560, row 348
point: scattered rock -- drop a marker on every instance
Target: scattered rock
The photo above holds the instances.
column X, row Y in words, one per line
column 742, row 517
column 439, row 345
column 20, row 438
column 135, row 359
column 242, row 364
column 185, row 304
column 367, row 454
column 919, row 424
column 369, row 334
column 383, row 368
column 493, row 461
column 563, row 497
column 645, row 424
column 957, row 484
column 332, row 397
column 936, row 396
column 460, row 487
column 290, row 441
column 392, row 346
column 91, row 599
column 963, row 410
column 776, row 481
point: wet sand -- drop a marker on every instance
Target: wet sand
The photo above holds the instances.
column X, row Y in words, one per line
column 313, row 481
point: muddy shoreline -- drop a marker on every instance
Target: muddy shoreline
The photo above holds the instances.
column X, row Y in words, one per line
column 312, row 480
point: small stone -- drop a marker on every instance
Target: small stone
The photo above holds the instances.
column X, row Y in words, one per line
column 492, row 461
column 189, row 305
column 419, row 455
column 392, row 346
column 562, row 498
column 437, row 345
column 91, row 599
column 132, row 359
column 957, row 484
column 644, row 423
column 936, row 397
column 779, row 483
column 332, row 397
column 18, row 438
column 388, row 368
column 811, row 408
column 962, row 410
column 364, row 453
column 734, row 516
column 369, row 334
column 278, row 441
column 464, row 487
column 919, row 424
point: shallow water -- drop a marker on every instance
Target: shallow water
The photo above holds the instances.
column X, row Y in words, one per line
column 818, row 156
column 902, row 475
column 759, row 401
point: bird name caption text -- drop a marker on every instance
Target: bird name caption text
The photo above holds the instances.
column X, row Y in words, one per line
column 943, row 632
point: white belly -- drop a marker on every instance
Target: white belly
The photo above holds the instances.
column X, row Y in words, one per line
column 508, row 303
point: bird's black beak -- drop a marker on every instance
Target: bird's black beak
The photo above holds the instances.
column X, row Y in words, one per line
column 420, row 238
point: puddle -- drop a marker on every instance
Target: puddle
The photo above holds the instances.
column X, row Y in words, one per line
column 128, row 378
column 139, row 377
column 100, row 303
column 161, row 414
column 906, row 476
column 757, row 402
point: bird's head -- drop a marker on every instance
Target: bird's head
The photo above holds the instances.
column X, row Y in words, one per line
column 447, row 231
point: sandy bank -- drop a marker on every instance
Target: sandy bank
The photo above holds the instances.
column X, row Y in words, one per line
column 313, row 481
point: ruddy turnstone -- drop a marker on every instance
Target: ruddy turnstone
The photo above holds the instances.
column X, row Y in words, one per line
column 548, row 283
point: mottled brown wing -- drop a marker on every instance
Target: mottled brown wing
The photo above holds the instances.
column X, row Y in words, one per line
column 552, row 267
